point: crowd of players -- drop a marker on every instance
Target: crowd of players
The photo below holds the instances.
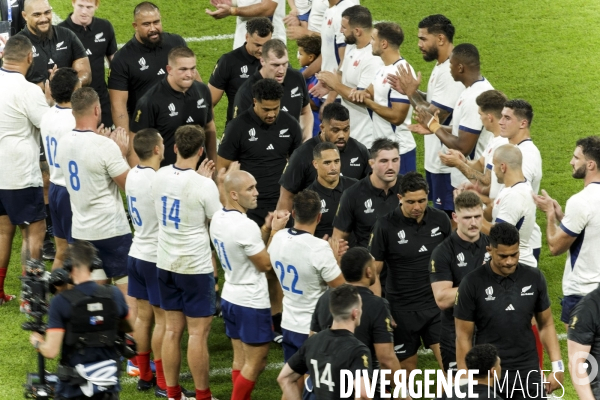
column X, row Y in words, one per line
column 315, row 167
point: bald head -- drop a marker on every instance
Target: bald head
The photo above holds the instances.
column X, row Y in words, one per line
column 510, row 155
column 240, row 187
column 235, row 180
column 38, row 15
column 31, row 4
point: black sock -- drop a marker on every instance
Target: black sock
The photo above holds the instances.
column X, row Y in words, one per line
column 48, row 223
column 276, row 322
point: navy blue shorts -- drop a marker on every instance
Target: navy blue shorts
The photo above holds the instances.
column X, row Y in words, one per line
column 23, row 206
column 568, row 303
column 440, row 190
column 114, row 253
column 292, row 341
column 304, row 17
column 193, row 294
column 536, row 254
column 250, row 325
column 60, row 211
column 408, row 162
column 143, row 280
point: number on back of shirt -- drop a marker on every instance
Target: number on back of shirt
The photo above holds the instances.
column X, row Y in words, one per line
column 220, row 247
column 173, row 214
column 74, row 176
column 133, row 212
column 292, row 270
column 322, row 378
column 51, row 145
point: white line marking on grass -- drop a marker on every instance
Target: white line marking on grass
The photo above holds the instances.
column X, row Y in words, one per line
column 56, row 19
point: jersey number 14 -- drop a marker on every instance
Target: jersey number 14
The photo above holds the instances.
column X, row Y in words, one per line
column 173, row 212
column 324, row 378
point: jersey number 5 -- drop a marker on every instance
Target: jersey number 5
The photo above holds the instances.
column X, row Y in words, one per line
column 133, row 212
column 290, row 269
column 324, row 379
column 173, row 213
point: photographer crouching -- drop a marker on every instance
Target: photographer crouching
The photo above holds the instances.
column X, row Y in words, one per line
column 89, row 322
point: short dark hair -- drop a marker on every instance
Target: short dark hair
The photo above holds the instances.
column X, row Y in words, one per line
column 521, row 108
column 189, row 139
column 180, row 52
column 354, row 262
column 306, row 206
column 342, row 300
column 436, row 24
column 481, row 357
column 467, row 199
column 144, row 6
column 267, row 89
column 321, row 147
column 503, row 233
column 467, row 54
column 492, row 102
column 17, row 48
column 391, row 32
column 413, row 182
column 83, row 99
column 590, row 147
column 262, row 26
column 358, row 16
column 144, row 142
column 274, row 45
column 335, row 111
column 63, row 84
column 383, row 144
column 81, row 253
column 310, row 44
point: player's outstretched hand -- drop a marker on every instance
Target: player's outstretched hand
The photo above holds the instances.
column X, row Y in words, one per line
column 359, row 96
column 543, row 201
column 280, row 220
column 234, row 166
column 222, row 11
column 327, row 78
column 206, row 168
column 120, row 137
column 406, row 81
column 319, row 90
column 418, row 128
column 335, row 247
column 554, row 381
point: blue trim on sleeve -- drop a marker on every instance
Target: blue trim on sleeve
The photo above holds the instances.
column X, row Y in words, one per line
column 405, row 101
column 520, row 223
column 469, row 130
column 441, row 106
column 499, row 221
column 576, row 248
column 489, row 166
column 568, row 231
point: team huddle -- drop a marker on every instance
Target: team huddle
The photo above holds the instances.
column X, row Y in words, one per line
column 331, row 243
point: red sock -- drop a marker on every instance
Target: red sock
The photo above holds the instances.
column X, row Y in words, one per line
column 173, row 392
column 134, row 361
column 203, row 394
column 234, row 375
column 242, row 388
column 143, row 360
column 160, row 375
column 3, row 272
column 538, row 345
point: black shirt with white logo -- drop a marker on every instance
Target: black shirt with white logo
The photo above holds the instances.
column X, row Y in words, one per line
column 406, row 248
column 361, row 205
column 230, row 73
column 166, row 109
column 261, row 149
column 330, row 200
column 62, row 49
column 135, row 67
column 99, row 41
column 324, row 355
column 584, row 328
column 375, row 323
column 295, row 94
column 451, row 261
column 502, row 309
column 300, row 172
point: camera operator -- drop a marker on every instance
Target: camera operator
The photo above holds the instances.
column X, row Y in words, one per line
column 86, row 321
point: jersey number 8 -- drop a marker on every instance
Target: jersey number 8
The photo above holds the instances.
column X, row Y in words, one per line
column 74, row 176
column 290, row 269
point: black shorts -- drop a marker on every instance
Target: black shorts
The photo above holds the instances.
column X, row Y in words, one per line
column 448, row 357
column 23, row 206
column 414, row 326
column 520, row 384
column 568, row 303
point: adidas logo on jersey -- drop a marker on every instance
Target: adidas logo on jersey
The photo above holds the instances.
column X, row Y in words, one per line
column 252, row 133
column 510, row 308
column 88, row 52
column 244, row 70
column 525, row 291
column 423, row 249
column 295, row 92
column 353, row 161
column 172, row 109
column 99, row 37
column 284, row 108
column 270, row 147
column 282, row 133
column 142, row 62
column 59, row 45
column 189, row 120
column 160, row 72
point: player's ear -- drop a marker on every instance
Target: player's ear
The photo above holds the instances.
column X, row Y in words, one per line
column 319, row 217
column 314, row 163
column 169, row 69
column 294, row 214
column 399, row 196
column 454, row 217
column 175, row 148
column 200, row 151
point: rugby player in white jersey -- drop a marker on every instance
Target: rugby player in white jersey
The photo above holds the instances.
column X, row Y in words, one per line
column 305, row 266
column 435, row 34
column 57, row 123
column 391, row 109
column 241, row 246
column 579, row 233
column 184, row 202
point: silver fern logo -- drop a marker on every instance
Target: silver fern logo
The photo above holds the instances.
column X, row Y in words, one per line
column 368, row 205
column 402, row 237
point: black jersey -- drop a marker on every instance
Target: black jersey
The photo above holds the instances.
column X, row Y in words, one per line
column 135, row 67
column 261, row 149
column 360, row 207
column 166, row 109
column 295, row 94
column 502, row 309
column 375, row 323
column 62, row 49
column 323, row 356
column 300, row 172
column 330, row 200
column 230, row 73
column 406, row 246
column 451, row 261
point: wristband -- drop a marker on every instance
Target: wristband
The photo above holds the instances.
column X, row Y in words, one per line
column 433, row 125
column 233, row 10
column 558, row 366
column 216, row 279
